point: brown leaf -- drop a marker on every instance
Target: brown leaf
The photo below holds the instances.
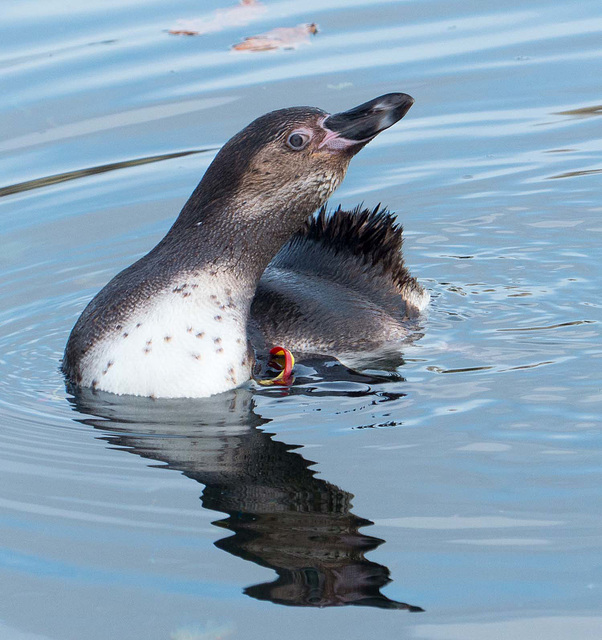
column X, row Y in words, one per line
column 242, row 14
column 182, row 32
column 281, row 38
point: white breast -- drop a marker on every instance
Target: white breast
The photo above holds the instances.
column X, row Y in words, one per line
column 189, row 341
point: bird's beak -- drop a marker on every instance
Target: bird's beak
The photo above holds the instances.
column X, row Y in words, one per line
column 354, row 128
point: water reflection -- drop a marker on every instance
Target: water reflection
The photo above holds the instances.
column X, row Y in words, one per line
column 281, row 516
column 91, row 171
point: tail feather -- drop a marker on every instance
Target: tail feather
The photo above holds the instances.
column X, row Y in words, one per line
column 371, row 236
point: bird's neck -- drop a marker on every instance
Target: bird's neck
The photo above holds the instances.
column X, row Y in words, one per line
column 234, row 239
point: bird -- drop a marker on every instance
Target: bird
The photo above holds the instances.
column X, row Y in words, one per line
column 245, row 266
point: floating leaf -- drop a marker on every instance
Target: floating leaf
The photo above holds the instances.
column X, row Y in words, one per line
column 242, row 14
column 282, row 38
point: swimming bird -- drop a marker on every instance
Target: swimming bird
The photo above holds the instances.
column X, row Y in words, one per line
column 241, row 267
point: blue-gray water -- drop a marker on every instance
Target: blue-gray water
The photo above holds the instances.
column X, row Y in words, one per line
column 479, row 463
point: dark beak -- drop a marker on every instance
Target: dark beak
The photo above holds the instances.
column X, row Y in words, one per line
column 361, row 124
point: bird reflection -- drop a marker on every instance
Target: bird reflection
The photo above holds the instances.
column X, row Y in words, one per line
column 279, row 514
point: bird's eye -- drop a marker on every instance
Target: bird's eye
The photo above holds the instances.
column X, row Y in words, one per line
column 297, row 140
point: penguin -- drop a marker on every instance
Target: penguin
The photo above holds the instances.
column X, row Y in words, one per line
column 242, row 267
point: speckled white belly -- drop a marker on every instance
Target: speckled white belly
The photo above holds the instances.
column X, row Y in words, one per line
column 184, row 343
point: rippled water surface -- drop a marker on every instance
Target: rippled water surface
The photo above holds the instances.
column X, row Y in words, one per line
column 466, row 485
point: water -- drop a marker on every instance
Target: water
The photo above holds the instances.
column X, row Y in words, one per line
column 479, row 463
